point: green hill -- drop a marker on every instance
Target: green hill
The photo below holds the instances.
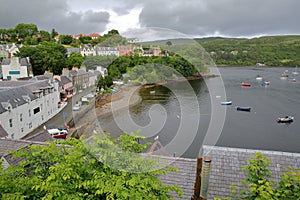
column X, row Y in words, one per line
column 269, row 50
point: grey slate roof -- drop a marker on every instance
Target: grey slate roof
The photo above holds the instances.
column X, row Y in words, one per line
column 3, row 132
column 42, row 136
column 77, row 72
column 7, row 145
column 22, row 61
column 16, row 93
column 65, row 80
column 226, row 166
column 184, row 178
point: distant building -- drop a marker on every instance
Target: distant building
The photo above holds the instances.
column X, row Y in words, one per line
column 106, row 51
column 70, row 50
column 132, row 40
column 103, row 71
column 8, row 50
column 87, row 50
column 125, row 50
column 79, row 77
column 66, row 88
column 25, row 105
column 15, row 67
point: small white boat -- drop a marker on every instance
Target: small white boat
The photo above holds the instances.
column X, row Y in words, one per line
column 286, row 119
column 226, row 103
column 295, row 72
column 152, row 92
column 259, row 78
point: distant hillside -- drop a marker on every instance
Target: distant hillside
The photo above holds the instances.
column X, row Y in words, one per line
column 269, row 50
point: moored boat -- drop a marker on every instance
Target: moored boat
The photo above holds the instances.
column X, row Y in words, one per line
column 265, row 83
column 242, row 108
column 246, row 84
column 286, row 119
column 259, row 78
column 226, row 103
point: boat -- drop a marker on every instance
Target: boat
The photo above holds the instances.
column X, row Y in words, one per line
column 241, row 108
column 292, row 80
column 246, row 84
column 284, row 75
column 152, row 92
column 295, row 72
column 226, row 103
column 259, row 78
column 286, row 119
column 265, row 83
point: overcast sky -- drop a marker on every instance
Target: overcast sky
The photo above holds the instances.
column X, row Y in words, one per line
column 195, row 18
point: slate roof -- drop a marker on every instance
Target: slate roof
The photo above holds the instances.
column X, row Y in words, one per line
column 226, row 166
column 7, row 145
column 184, row 178
column 77, row 72
column 69, row 50
column 22, row 61
column 65, row 80
column 3, row 132
column 42, row 136
column 16, row 92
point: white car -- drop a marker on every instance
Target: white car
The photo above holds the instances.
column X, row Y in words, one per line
column 76, row 107
column 90, row 96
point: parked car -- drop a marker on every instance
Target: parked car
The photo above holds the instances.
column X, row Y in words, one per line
column 90, row 96
column 76, row 107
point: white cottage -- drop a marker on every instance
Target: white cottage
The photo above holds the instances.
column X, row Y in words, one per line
column 25, row 105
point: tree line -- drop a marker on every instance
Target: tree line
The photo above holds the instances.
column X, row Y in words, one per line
column 269, row 50
column 29, row 34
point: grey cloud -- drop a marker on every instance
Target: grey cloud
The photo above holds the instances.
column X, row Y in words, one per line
column 48, row 14
column 228, row 17
column 193, row 17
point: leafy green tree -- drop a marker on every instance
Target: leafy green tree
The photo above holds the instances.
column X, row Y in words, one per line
column 66, row 39
column 46, row 56
column 74, row 170
column 53, row 33
column 85, row 39
column 24, row 30
column 100, row 82
column 45, row 36
column 75, row 59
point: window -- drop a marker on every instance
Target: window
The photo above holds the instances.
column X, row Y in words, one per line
column 29, row 112
column 22, row 130
column 21, row 117
column 30, row 125
column 36, row 110
column 10, row 123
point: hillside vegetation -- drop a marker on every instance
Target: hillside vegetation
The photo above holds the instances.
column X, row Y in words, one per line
column 268, row 50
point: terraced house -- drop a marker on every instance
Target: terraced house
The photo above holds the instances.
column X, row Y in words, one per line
column 25, row 105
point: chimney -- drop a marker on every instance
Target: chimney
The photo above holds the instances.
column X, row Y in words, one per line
column 205, row 178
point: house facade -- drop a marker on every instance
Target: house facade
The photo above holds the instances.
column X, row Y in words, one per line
column 8, row 50
column 79, row 77
column 15, row 67
column 25, row 105
column 125, row 50
column 107, row 51
column 87, row 50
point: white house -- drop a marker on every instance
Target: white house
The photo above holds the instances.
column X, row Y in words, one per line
column 102, row 70
column 87, row 50
column 106, row 51
column 15, row 67
column 25, row 105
